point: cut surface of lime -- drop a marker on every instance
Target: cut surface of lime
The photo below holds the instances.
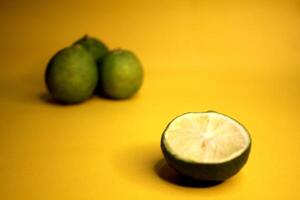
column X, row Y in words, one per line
column 206, row 137
column 206, row 145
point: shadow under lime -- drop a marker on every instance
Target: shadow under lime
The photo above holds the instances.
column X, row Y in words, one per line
column 168, row 174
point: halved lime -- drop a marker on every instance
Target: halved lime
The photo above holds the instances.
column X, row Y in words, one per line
column 206, row 145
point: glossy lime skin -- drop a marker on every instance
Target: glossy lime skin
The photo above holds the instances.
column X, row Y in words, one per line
column 121, row 74
column 71, row 75
column 205, row 171
column 94, row 46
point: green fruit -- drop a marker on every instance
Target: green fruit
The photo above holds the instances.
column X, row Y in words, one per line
column 206, row 146
column 121, row 74
column 94, row 46
column 71, row 75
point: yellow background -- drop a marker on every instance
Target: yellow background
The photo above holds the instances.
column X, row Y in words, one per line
column 241, row 58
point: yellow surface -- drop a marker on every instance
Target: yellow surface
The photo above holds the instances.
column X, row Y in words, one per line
column 241, row 58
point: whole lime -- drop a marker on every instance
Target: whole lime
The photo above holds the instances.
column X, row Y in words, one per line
column 71, row 75
column 121, row 74
column 94, row 46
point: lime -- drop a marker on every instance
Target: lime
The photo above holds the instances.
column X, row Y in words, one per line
column 206, row 146
column 71, row 75
column 94, row 46
column 121, row 74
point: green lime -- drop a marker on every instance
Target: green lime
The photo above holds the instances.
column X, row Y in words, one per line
column 94, row 46
column 121, row 74
column 206, row 146
column 71, row 75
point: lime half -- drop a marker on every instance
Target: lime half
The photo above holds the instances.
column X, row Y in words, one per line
column 206, row 145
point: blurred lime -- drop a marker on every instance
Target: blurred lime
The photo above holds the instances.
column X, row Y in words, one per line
column 71, row 75
column 121, row 74
column 94, row 46
column 206, row 146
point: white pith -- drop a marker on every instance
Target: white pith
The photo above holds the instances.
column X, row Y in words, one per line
column 206, row 137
